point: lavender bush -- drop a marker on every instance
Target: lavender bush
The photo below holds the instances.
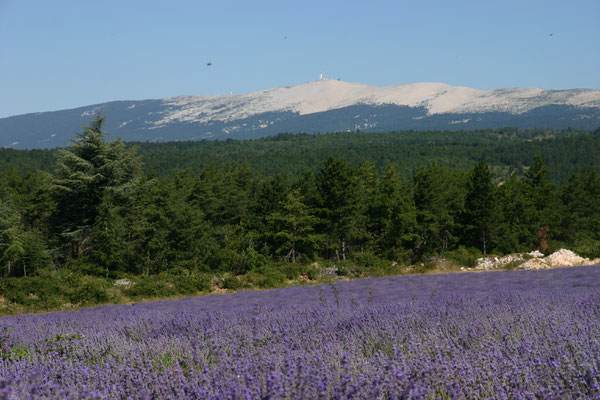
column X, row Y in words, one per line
column 492, row 335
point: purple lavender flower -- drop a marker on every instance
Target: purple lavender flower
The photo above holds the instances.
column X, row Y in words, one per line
column 498, row 335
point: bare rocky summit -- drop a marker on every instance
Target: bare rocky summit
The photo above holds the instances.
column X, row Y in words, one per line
column 325, row 105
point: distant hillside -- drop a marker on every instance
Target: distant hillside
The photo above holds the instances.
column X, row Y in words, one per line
column 506, row 150
column 321, row 106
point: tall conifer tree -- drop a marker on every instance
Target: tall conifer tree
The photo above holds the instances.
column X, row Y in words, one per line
column 86, row 172
column 480, row 217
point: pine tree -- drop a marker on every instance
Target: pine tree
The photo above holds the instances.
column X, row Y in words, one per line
column 19, row 246
column 293, row 229
column 337, row 187
column 544, row 199
column 439, row 198
column 111, row 245
column 85, row 172
column 480, row 217
column 12, row 237
column 392, row 216
column 580, row 219
column 518, row 216
column 366, row 193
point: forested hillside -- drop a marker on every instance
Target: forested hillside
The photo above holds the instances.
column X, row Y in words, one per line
column 359, row 201
column 506, row 150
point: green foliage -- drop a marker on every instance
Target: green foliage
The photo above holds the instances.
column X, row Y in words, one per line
column 33, row 292
column 567, row 151
column 231, row 282
column 85, row 173
column 152, row 286
column 368, row 260
column 505, row 149
column 465, row 256
column 9, row 350
column 261, row 222
column 439, row 199
column 83, row 266
column 580, row 218
column 337, row 185
column 528, row 205
column 481, row 216
column 588, row 247
column 266, row 278
column 90, row 290
column 22, row 248
column 295, row 271
column 512, row 265
column 425, row 267
column 52, row 289
column 392, row 216
column 192, row 282
column 293, row 229
column 168, row 284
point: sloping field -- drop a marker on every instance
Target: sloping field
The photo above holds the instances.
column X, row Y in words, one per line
column 501, row 335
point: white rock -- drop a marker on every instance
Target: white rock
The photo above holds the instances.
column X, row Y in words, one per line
column 328, row 94
column 536, row 254
column 125, row 283
column 565, row 258
column 534, row 263
column 497, row 262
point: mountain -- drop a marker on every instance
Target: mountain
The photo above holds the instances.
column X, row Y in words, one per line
column 320, row 106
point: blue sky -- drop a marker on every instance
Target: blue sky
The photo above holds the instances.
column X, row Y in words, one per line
column 64, row 54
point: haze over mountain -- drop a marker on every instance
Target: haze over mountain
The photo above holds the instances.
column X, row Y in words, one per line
column 320, row 106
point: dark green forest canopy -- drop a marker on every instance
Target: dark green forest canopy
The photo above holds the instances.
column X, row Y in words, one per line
column 506, row 150
column 251, row 207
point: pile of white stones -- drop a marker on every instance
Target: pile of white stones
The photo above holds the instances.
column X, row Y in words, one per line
column 560, row 258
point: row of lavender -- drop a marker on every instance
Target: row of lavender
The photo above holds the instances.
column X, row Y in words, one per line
column 511, row 334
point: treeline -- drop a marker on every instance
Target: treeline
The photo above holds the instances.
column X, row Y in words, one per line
column 98, row 214
column 506, row 151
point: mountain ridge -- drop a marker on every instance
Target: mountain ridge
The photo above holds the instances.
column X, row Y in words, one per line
column 319, row 106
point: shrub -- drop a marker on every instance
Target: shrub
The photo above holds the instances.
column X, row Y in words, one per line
column 34, row 292
column 512, row 265
column 292, row 270
column 52, row 288
column 89, row 290
column 425, row 267
column 464, row 256
column 342, row 269
column 201, row 282
column 367, row 259
column 81, row 266
column 187, row 282
column 589, row 248
column 231, row 282
column 266, row 277
column 312, row 272
column 151, row 286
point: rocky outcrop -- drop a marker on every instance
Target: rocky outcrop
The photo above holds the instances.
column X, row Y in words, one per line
column 497, row 262
column 566, row 258
column 535, row 260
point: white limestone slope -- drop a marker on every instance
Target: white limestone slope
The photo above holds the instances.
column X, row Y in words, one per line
column 327, row 94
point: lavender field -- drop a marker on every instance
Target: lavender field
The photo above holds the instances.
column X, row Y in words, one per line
column 490, row 335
